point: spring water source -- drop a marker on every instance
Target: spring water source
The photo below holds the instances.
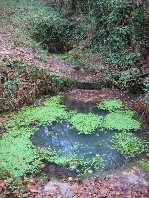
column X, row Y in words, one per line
column 60, row 136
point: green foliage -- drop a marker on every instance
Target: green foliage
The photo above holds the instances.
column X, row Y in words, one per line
column 110, row 105
column 76, row 163
column 45, row 26
column 129, row 78
column 115, row 29
column 128, row 145
column 17, row 154
column 62, row 57
column 40, row 80
column 120, row 117
column 115, row 25
column 85, row 123
column 60, row 82
column 144, row 165
column 51, row 111
column 41, row 57
column 121, row 121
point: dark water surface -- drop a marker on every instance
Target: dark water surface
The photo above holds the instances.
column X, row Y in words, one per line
column 66, row 139
column 60, row 136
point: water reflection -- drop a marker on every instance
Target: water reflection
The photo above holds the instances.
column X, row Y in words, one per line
column 61, row 137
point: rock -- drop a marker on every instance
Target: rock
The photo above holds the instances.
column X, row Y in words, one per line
column 52, row 168
column 62, row 188
column 90, row 171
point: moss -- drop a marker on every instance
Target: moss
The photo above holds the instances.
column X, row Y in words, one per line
column 143, row 164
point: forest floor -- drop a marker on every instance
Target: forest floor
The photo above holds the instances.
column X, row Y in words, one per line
column 10, row 52
column 84, row 86
column 131, row 183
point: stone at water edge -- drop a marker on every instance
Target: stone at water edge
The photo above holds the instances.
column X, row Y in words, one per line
column 63, row 188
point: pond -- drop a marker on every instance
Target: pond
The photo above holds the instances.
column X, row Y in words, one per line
column 66, row 139
column 61, row 137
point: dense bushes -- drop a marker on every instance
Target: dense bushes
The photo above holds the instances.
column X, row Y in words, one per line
column 36, row 80
column 113, row 34
column 116, row 30
column 60, row 35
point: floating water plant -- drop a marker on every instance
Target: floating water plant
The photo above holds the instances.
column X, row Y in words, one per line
column 51, row 111
column 110, row 105
column 78, row 164
column 120, row 117
column 121, row 121
column 18, row 156
column 128, row 145
column 85, row 123
column 17, row 153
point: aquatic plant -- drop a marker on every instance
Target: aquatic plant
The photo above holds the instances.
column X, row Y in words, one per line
column 121, row 121
column 51, row 111
column 75, row 163
column 110, row 105
column 128, row 144
column 120, row 117
column 85, row 123
column 18, row 155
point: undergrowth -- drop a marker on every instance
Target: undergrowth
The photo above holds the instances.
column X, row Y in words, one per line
column 108, row 49
column 143, row 164
column 40, row 80
column 104, row 27
column 27, row 79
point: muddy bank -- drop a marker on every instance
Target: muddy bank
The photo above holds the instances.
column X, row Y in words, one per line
column 129, row 183
column 134, row 101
